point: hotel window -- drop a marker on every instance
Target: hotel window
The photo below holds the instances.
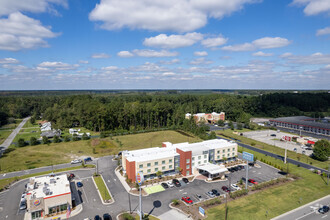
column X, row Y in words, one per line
column 199, row 162
column 193, row 159
column 170, row 160
column 218, row 157
column 163, row 168
column 218, row 152
column 163, row 162
column 156, row 169
column 199, row 157
column 193, row 164
column 233, row 149
column 205, row 156
column 233, row 154
column 170, row 166
column 228, row 150
column 188, row 172
column 148, row 164
column 141, row 166
column 156, row 163
column 188, row 161
column 205, row 161
column 223, row 156
column 187, row 167
column 149, row 170
column 228, row 155
column 223, row 151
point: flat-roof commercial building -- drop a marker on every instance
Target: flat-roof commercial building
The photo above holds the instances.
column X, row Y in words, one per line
column 170, row 158
column 302, row 123
column 48, row 196
column 210, row 118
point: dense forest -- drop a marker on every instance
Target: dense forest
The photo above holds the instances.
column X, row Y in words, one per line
column 102, row 112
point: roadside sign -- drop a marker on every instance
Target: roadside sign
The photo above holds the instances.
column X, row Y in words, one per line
column 139, row 178
column 247, row 156
column 201, row 211
column 286, row 138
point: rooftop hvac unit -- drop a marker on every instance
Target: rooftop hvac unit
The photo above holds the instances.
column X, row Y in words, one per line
column 46, row 191
column 52, row 181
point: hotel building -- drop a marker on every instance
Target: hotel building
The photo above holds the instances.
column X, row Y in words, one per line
column 170, row 158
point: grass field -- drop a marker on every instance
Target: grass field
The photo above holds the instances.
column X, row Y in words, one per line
column 7, row 129
column 277, row 200
column 154, row 189
column 102, row 188
column 291, row 154
column 4, row 134
column 56, row 153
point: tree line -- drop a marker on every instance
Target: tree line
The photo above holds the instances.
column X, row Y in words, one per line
column 110, row 112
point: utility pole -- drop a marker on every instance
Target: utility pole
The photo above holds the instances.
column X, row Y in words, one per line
column 328, row 174
column 129, row 201
column 226, row 209
column 247, row 174
column 285, row 151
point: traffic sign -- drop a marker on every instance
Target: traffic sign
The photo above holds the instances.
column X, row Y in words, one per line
column 139, row 178
column 247, row 156
column 201, row 211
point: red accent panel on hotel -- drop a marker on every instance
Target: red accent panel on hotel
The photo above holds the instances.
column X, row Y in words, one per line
column 130, row 170
column 163, row 145
column 183, row 158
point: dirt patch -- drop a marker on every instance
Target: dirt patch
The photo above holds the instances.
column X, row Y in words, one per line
column 184, row 133
column 95, row 142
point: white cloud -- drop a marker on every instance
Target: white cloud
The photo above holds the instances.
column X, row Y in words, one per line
column 200, row 53
column 19, row 32
column 125, row 54
column 8, row 61
column 173, row 41
column 154, row 53
column 314, row 7
column 262, row 54
column 262, row 43
column 83, row 61
column 169, row 62
column 110, row 68
column 168, row 74
column 100, row 56
column 159, row 15
column 286, row 55
column 313, row 59
column 58, row 65
column 323, row 31
column 200, row 61
column 35, row 6
column 214, row 42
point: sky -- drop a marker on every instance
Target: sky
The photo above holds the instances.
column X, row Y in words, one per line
column 157, row 44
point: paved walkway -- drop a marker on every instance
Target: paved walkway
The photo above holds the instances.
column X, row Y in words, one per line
column 11, row 137
column 173, row 215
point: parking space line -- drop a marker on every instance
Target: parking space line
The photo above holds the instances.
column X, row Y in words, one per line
column 305, row 215
column 85, row 194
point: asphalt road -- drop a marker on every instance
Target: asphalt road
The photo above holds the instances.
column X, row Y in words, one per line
column 308, row 211
column 11, row 137
column 297, row 132
column 289, row 160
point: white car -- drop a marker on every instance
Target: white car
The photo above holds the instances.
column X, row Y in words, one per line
column 170, row 184
column 235, row 187
column 75, row 161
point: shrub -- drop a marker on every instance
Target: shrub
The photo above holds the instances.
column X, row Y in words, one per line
column 239, row 193
column 75, row 138
column 56, row 139
column 127, row 216
column 45, row 140
column 33, row 141
column 175, row 202
column 85, row 137
column 66, row 139
column 21, row 142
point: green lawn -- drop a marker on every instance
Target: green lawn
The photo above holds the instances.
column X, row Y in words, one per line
column 274, row 149
column 4, row 134
column 56, row 153
column 153, row 139
column 276, row 200
column 26, row 134
column 102, row 188
column 29, row 125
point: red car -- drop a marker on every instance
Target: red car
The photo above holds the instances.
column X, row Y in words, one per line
column 187, row 200
column 253, row 181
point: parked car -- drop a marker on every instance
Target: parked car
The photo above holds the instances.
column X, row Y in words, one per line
column 176, row 182
column 22, row 205
column 235, row 187
column 323, row 209
column 75, row 161
column 187, row 199
column 215, row 192
column 273, row 135
column 210, row 193
column 231, row 170
column 295, row 149
column 164, row 185
column 242, row 167
column 170, row 184
column 87, row 159
column 239, row 168
column 253, row 181
column 185, row 180
column 225, row 188
column 199, row 197
column 97, row 217
column 71, row 176
column 106, row 216
column 23, row 196
column 79, row 184
column 235, row 168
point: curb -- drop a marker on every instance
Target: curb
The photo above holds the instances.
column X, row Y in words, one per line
column 98, row 191
column 179, row 210
column 117, row 217
column 301, row 207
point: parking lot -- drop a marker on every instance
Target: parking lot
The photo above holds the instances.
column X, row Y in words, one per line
column 200, row 187
column 273, row 138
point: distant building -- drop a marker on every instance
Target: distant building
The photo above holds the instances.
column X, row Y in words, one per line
column 302, row 123
column 52, row 133
column 46, row 126
column 76, row 132
column 48, row 196
column 199, row 157
column 208, row 118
